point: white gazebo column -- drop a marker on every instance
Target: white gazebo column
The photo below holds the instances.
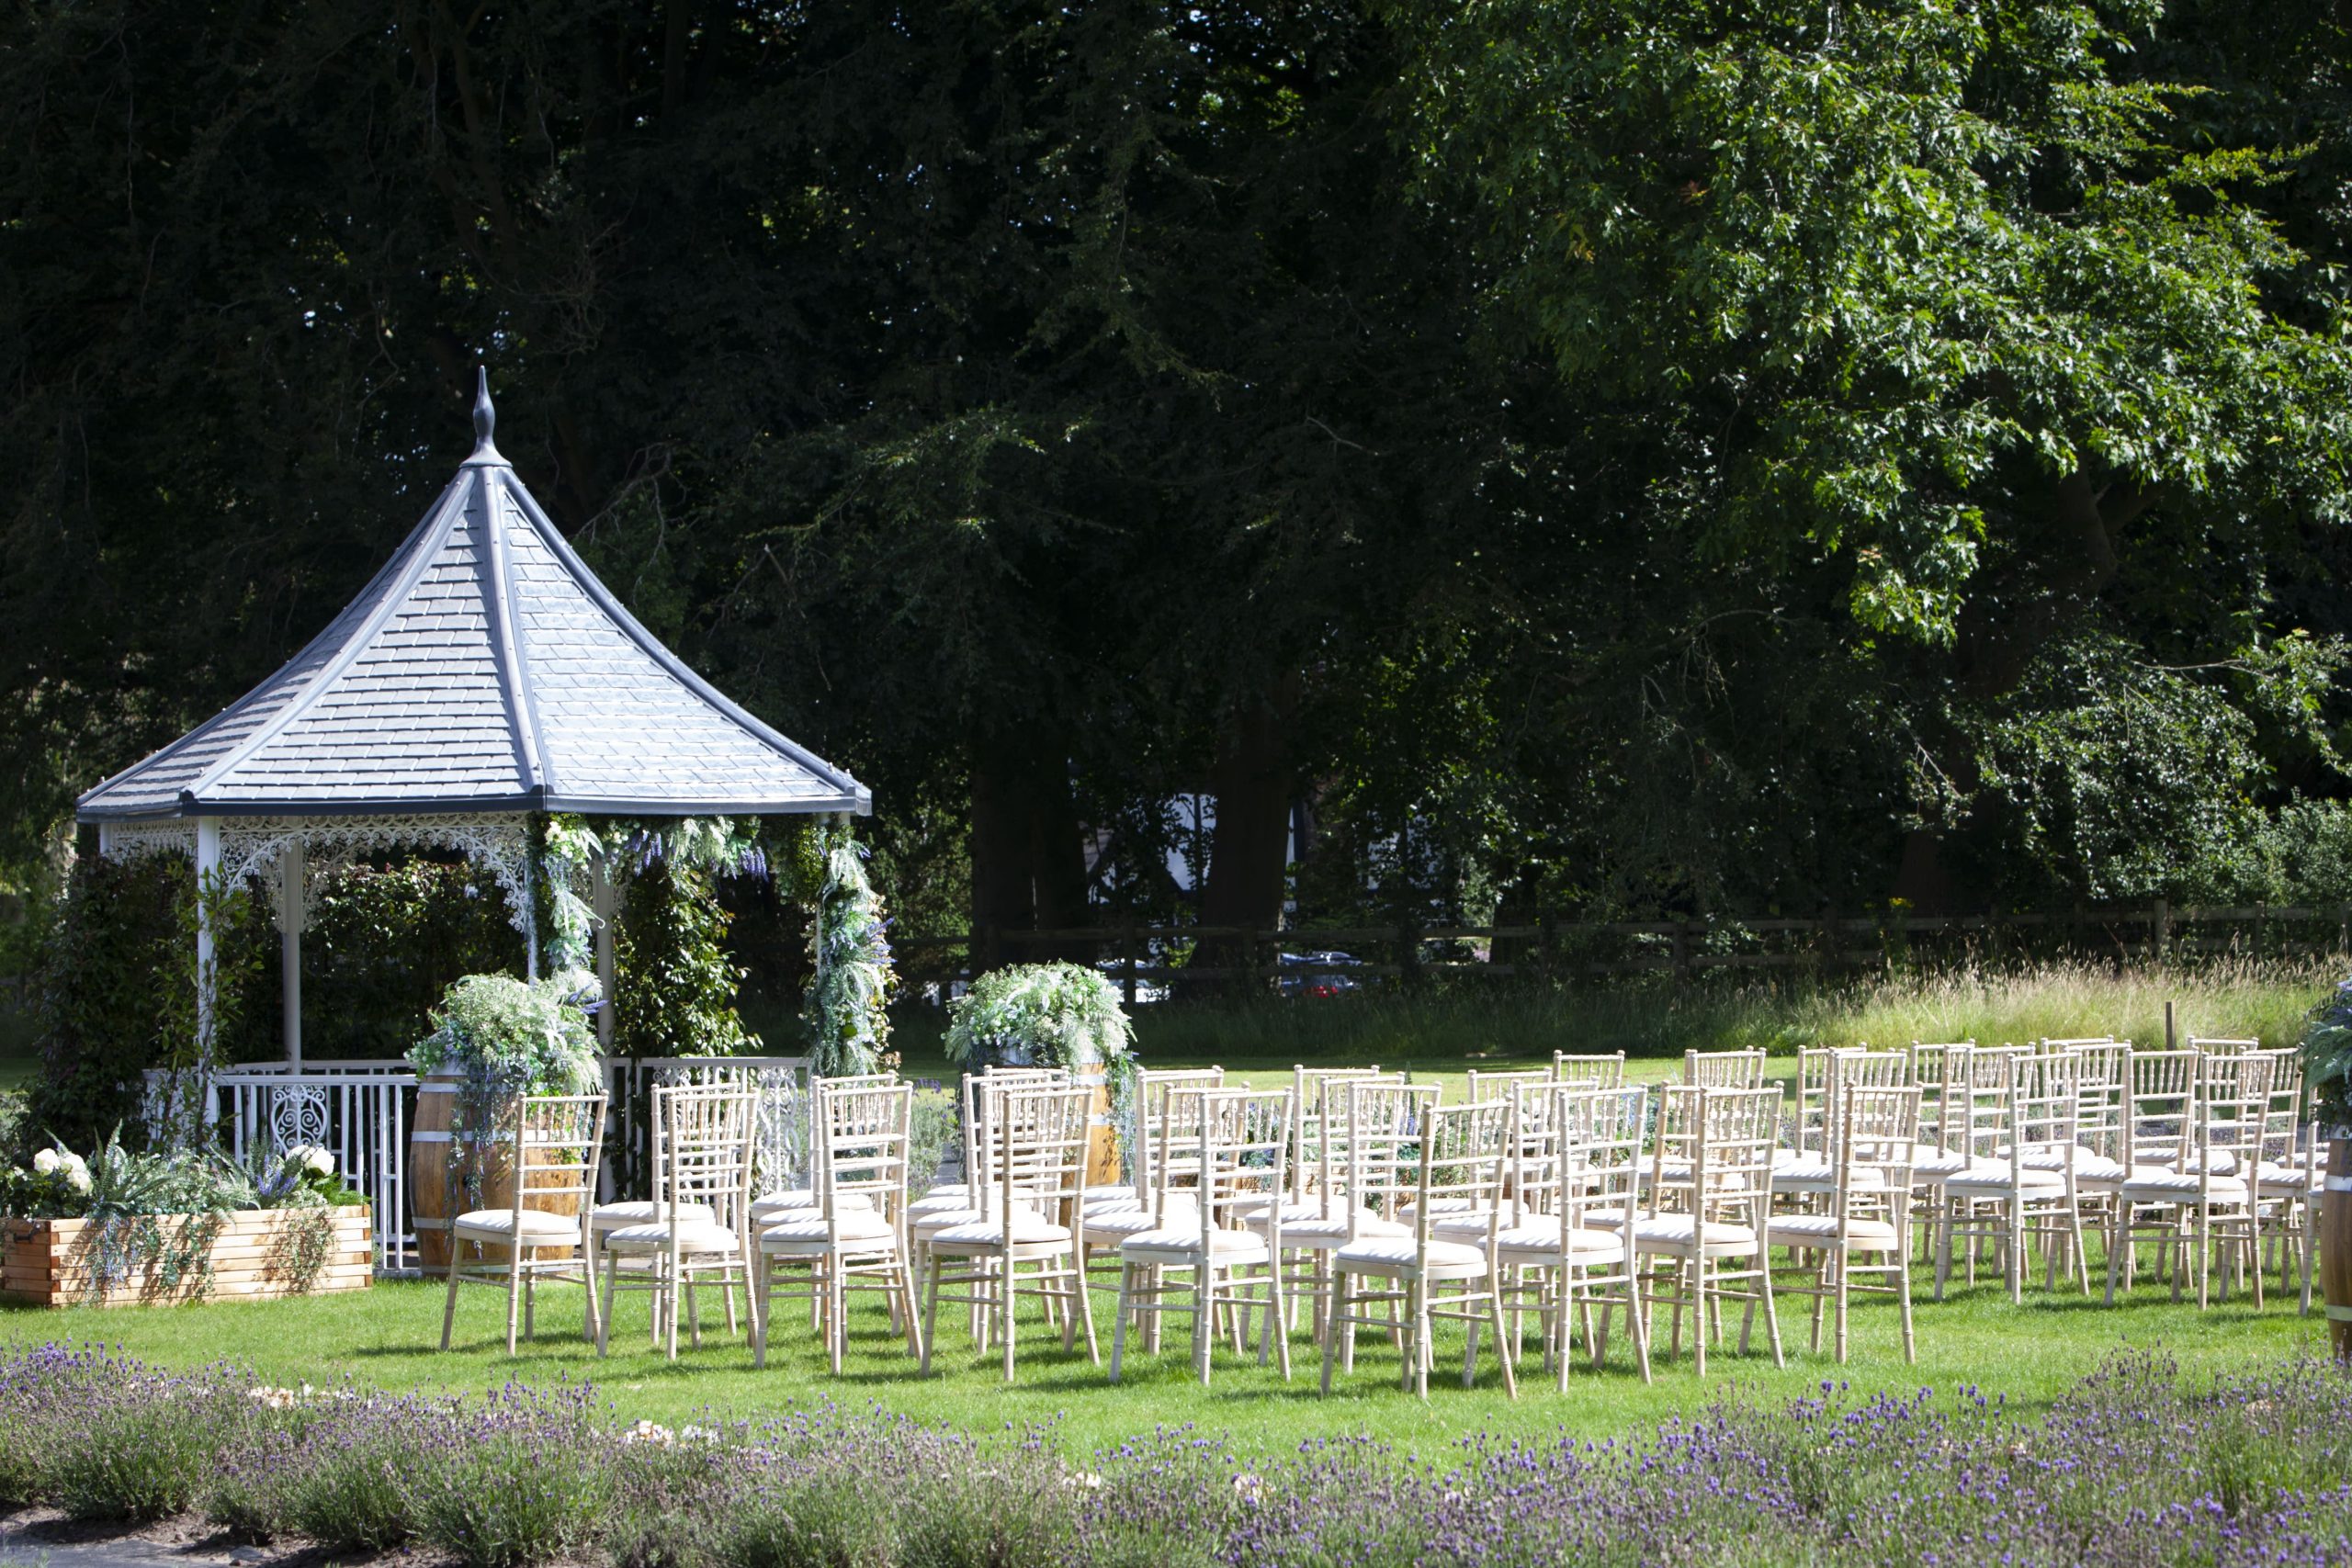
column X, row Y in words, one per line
column 293, row 911
column 207, row 881
column 601, row 895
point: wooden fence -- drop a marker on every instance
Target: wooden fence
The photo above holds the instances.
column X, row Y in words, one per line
column 1137, row 955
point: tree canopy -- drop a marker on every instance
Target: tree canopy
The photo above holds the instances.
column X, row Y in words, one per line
column 1611, row 454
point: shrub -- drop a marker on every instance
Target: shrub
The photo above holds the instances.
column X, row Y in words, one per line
column 528, row 1478
column 2135, row 1465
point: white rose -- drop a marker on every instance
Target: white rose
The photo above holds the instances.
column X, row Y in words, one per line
column 78, row 1177
column 321, row 1162
column 45, row 1162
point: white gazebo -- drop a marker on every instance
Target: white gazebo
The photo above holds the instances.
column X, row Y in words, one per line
column 482, row 676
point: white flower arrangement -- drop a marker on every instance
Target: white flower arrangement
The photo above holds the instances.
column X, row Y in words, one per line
column 65, row 1165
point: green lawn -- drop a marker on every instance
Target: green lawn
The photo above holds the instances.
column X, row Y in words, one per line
column 387, row 1337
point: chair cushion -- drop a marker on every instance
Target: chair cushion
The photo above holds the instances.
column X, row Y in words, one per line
column 1111, row 1228
column 2089, row 1164
column 1672, row 1232
column 557, row 1229
column 862, row 1226
column 2289, row 1181
column 1993, row 1176
column 1334, row 1229
column 1817, row 1229
column 693, row 1236
column 1445, row 1206
column 643, row 1211
column 1392, row 1254
column 778, row 1205
column 1542, row 1238
column 1028, row 1227
column 2180, row 1187
column 1111, row 1195
column 1816, row 1179
column 1233, row 1247
column 1930, row 1162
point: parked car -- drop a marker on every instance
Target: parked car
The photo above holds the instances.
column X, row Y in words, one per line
column 1318, row 973
column 1146, row 990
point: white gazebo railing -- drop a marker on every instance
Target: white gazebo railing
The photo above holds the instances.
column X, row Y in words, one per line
column 360, row 1111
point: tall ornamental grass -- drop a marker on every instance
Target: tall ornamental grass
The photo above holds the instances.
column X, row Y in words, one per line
column 2236, row 997
column 2136, row 1465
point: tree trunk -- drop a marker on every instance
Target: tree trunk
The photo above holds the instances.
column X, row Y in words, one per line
column 1028, row 861
column 1254, row 779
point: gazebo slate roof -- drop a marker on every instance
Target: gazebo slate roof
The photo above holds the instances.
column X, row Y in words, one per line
column 484, row 669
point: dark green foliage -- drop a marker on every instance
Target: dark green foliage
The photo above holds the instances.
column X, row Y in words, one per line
column 383, row 943
column 1651, row 457
column 116, row 940
column 677, row 983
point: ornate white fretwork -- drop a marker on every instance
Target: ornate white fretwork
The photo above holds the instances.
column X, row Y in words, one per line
column 131, row 841
column 780, row 1151
column 298, row 1117
column 499, row 841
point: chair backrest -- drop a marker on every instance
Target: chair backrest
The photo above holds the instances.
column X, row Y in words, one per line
column 1813, row 1064
column 710, row 1130
column 865, row 1133
column 1723, row 1069
column 2282, row 1137
column 1878, row 1139
column 1175, row 1162
column 979, row 1166
column 1383, row 1123
column 1152, row 1088
column 2162, row 1106
column 1319, row 1128
column 1479, row 1085
column 818, row 1084
column 1597, row 1137
column 1041, row 1134
column 1464, row 1152
column 557, row 1144
column 1727, row 1137
column 2218, row 1045
column 2234, row 1106
column 2049, row 1108
column 1596, row 1071
column 2071, row 1042
column 1242, row 1143
column 2106, row 1077
column 1932, row 1071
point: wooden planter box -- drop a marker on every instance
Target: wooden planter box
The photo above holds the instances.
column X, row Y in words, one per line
column 257, row 1255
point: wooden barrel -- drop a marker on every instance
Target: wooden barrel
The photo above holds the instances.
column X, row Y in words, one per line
column 431, row 1171
column 1102, row 1137
column 2336, row 1247
column 440, row 1161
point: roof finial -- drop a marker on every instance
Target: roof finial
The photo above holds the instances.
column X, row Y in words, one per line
column 485, row 420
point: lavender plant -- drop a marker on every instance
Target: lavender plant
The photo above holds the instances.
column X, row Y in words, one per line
column 2137, row 1465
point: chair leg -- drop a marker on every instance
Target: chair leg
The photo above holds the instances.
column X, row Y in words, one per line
column 1008, row 1283
column 449, row 1312
column 929, row 1314
column 514, row 1291
column 1119, row 1323
column 604, row 1318
column 765, row 1289
column 1502, row 1347
column 1841, row 1263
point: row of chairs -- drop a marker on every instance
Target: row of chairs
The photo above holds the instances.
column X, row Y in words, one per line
column 1358, row 1198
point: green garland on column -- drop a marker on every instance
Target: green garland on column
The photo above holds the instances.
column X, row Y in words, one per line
column 847, row 1008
